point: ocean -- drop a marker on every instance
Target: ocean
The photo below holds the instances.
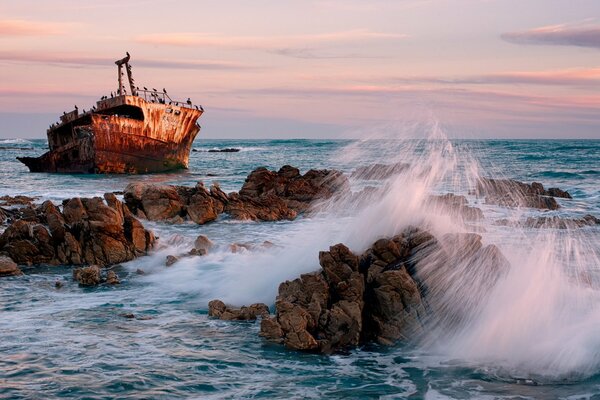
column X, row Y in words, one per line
column 535, row 335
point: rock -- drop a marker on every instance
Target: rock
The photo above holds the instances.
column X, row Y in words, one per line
column 218, row 309
column 456, row 206
column 8, row 267
column 239, row 247
column 112, row 278
column 265, row 208
column 196, row 252
column 511, row 193
column 203, row 244
column 225, row 150
column 127, row 315
column 16, row 200
column 265, row 196
column 87, row 231
column 28, row 243
column 381, row 295
column 379, row 171
column 171, row 260
column 58, row 284
column 556, row 192
column 87, row 276
column 140, row 271
column 553, row 222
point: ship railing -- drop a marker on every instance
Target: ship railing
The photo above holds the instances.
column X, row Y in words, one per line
column 156, row 96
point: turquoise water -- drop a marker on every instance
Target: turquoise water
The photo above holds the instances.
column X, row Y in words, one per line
column 73, row 343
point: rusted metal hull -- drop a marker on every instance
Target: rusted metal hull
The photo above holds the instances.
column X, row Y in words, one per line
column 126, row 134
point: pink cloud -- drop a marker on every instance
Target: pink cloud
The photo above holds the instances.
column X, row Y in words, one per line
column 18, row 27
column 73, row 60
column 264, row 42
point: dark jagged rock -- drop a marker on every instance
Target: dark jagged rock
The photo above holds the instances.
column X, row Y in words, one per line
column 87, row 231
column 511, row 193
column 218, row 309
column 297, row 191
column 379, row 171
column 382, row 295
column 8, row 267
column 265, row 196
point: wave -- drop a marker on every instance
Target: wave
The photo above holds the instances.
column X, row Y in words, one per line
column 559, row 174
column 15, row 141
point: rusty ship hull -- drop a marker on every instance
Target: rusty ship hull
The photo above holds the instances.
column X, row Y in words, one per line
column 123, row 134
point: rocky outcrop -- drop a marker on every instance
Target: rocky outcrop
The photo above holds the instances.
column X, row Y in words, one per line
column 218, row 309
column 295, row 190
column 265, row 196
column 86, row 231
column 382, row 295
column 511, row 193
column 8, row 267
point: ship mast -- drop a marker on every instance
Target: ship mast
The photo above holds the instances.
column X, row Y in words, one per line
column 125, row 61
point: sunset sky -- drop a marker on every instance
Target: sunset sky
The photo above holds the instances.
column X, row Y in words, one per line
column 322, row 68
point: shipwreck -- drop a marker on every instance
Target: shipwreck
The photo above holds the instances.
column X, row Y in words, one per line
column 130, row 131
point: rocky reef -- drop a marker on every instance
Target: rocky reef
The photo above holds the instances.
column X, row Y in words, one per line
column 265, row 196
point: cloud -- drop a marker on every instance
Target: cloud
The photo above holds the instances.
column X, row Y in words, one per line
column 18, row 27
column 557, row 35
column 314, row 54
column 578, row 77
column 264, row 42
column 78, row 61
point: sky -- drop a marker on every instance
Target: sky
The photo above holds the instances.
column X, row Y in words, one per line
column 314, row 68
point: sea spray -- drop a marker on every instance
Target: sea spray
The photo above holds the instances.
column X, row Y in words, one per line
column 536, row 317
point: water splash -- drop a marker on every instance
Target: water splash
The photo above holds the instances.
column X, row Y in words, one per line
column 536, row 316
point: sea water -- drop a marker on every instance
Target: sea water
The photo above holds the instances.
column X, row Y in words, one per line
column 535, row 334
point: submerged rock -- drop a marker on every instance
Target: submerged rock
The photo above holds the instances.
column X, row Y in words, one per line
column 382, row 295
column 112, row 278
column 171, row 260
column 225, row 150
column 218, row 309
column 202, row 245
column 88, row 276
column 8, row 267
